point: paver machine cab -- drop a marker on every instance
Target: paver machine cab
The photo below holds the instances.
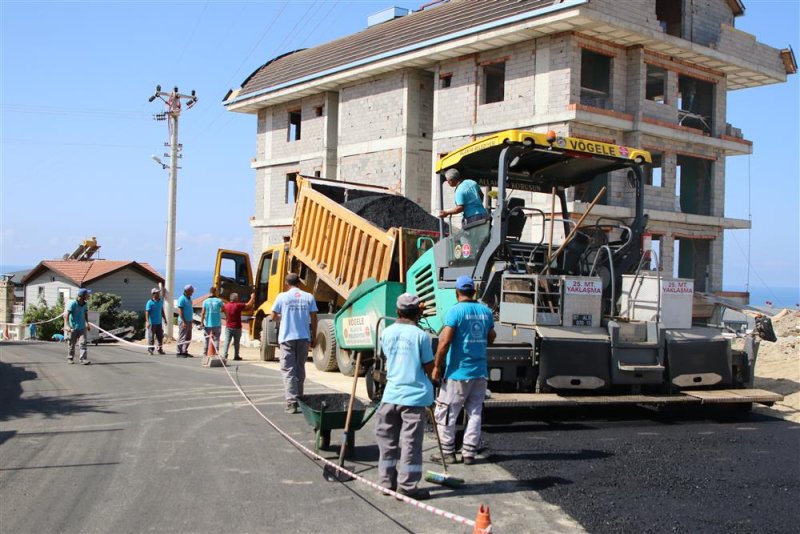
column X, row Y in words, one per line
column 578, row 313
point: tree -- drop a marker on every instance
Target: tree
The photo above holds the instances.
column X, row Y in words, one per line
column 42, row 313
column 111, row 316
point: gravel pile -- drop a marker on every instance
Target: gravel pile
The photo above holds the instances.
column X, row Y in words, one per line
column 388, row 211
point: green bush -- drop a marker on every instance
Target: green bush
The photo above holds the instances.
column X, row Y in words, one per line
column 42, row 312
column 111, row 316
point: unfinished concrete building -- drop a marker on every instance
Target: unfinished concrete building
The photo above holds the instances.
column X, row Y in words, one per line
column 380, row 106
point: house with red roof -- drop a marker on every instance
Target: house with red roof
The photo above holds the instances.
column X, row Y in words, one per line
column 131, row 280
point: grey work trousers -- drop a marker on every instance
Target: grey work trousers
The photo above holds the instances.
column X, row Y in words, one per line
column 74, row 335
column 155, row 331
column 294, row 354
column 453, row 396
column 184, row 337
column 399, row 431
column 236, row 335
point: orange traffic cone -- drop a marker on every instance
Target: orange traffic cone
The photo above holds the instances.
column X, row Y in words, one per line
column 210, row 360
column 483, row 522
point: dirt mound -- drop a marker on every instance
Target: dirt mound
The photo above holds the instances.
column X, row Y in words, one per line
column 786, row 323
column 387, row 211
column 778, row 364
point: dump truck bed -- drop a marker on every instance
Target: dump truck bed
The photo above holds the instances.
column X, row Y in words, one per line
column 342, row 248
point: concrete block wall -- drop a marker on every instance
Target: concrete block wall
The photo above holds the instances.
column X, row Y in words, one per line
column 703, row 20
column 276, row 145
column 517, row 103
column 558, row 56
column 739, row 44
column 372, row 109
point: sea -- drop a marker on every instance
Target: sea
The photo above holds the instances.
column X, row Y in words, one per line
column 775, row 297
column 201, row 280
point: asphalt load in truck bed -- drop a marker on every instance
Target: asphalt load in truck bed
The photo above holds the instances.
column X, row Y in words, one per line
column 632, row 470
column 387, row 211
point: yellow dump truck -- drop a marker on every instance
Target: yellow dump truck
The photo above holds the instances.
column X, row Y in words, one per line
column 342, row 234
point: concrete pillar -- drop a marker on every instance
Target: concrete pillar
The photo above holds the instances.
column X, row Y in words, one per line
column 330, row 139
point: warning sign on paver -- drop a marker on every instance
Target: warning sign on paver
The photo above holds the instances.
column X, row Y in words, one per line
column 583, row 287
column 356, row 330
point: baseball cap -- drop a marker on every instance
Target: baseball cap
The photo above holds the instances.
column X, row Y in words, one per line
column 83, row 292
column 188, row 287
column 407, row 302
column 464, row 282
column 154, row 290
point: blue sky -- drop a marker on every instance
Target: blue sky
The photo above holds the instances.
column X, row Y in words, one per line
column 77, row 130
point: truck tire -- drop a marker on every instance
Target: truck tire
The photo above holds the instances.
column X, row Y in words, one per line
column 346, row 359
column 267, row 351
column 324, row 352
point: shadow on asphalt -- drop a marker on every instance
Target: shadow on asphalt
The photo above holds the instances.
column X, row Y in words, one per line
column 12, row 405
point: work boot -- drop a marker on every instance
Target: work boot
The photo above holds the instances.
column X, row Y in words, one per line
column 70, row 360
column 468, row 460
column 85, row 362
column 237, row 359
column 291, row 407
column 450, row 458
column 161, row 351
column 150, row 352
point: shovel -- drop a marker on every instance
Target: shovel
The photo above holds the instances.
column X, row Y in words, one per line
column 331, row 474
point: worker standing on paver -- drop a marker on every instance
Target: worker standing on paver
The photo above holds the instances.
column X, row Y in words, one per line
column 78, row 324
column 185, row 315
column 468, row 198
column 297, row 312
column 233, row 322
column 400, row 424
column 468, row 330
column 211, row 319
column 154, row 321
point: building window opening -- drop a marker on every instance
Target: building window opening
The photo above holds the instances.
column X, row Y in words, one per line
column 290, row 193
column 445, row 81
column 595, row 80
column 695, row 103
column 670, row 14
column 655, row 256
column 653, row 175
column 694, row 185
column 293, row 133
column 494, row 82
column 693, row 261
column 318, row 111
column 656, row 83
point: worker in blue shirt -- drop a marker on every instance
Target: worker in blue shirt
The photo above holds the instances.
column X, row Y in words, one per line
column 461, row 364
column 154, row 321
column 468, row 198
column 297, row 312
column 78, row 324
column 400, row 424
column 185, row 315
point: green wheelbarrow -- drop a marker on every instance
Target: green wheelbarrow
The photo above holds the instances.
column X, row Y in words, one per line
column 328, row 411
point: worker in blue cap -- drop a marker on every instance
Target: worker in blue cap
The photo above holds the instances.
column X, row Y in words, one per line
column 460, row 364
column 78, row 324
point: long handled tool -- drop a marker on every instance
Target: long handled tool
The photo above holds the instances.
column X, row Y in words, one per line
column 443, row 478
column 335, row 475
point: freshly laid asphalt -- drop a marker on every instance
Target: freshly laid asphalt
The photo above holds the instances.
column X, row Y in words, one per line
column 633, row 470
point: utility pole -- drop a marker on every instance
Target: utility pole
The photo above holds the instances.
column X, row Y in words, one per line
column 172, row 99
